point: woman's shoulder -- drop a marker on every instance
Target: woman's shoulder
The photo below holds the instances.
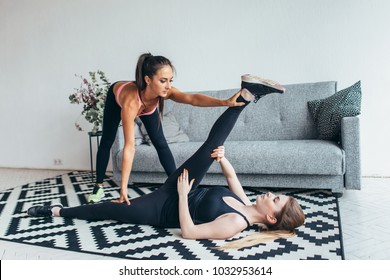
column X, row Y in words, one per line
column 173, row 92
column 124, row 85
column 126, row 94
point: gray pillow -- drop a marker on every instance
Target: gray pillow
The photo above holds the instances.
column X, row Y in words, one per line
column 328, row 112
column 139, row 138
column 172, row 131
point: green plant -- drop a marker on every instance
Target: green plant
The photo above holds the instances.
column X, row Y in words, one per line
column 93, row 94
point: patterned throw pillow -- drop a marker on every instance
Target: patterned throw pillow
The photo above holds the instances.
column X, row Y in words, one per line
column 328, row 112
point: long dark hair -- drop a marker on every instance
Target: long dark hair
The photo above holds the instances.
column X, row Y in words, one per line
column 148, row 65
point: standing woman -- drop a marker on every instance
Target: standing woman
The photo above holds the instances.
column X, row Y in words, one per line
column 128, row 100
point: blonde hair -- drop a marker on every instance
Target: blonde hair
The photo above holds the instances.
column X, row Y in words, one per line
column 290, row 217
column 257, row 238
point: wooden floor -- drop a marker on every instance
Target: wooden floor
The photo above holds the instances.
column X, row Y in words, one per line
column 365, row 217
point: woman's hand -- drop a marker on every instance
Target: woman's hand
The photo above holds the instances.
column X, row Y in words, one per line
column 123, row 197
column 183, row 186
column 232, row 101
column 218, row 153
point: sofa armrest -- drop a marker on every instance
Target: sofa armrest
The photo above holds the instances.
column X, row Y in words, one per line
column 350, row 142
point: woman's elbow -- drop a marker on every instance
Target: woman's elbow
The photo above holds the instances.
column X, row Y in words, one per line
column 187, row 234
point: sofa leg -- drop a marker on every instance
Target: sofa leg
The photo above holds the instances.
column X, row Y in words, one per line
column 338, row 194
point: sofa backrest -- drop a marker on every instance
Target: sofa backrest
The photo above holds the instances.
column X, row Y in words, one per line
column 273, row 117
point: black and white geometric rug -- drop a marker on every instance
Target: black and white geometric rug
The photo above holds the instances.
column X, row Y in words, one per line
column 319, row 238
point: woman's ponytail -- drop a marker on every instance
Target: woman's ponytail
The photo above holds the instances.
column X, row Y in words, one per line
column 256, row 238
column 139, row 71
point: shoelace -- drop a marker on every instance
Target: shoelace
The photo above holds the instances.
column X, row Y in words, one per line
column 257, row 97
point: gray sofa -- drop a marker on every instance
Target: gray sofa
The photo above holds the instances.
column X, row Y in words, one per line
column 274, row 144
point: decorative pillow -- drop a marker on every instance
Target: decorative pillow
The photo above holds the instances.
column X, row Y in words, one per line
column 328, row 112
column 172, row 131
column 139, row 138
column 141, row 131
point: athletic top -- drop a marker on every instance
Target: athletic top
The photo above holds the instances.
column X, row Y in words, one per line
column 119, row 91
column 207, row 204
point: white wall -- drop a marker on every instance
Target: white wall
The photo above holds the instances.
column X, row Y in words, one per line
column 43, row 43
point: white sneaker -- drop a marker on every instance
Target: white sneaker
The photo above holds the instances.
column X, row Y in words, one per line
column 260, row 87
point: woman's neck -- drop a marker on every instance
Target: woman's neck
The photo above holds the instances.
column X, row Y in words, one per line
column 253, row 215
column 148, row 96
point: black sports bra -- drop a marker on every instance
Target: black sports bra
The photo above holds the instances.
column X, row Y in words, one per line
column 207, row 204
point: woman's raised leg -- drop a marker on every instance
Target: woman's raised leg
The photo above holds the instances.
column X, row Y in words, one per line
column 198, row 164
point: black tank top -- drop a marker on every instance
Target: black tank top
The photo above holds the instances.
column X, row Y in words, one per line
column 207, row 204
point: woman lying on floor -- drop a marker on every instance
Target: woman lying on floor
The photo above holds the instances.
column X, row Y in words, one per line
column 201, row 213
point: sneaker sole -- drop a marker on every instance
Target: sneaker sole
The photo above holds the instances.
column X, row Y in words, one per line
column 261, row 81
column 95, row 201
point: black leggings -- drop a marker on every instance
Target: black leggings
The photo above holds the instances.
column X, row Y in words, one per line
column 151, row 209
column 111, row 120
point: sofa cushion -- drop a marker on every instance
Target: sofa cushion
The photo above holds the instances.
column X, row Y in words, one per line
column 290, row 157
column 309, row 157
column 327, row 113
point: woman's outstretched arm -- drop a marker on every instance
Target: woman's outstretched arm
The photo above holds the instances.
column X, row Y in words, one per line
column 202, row 100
